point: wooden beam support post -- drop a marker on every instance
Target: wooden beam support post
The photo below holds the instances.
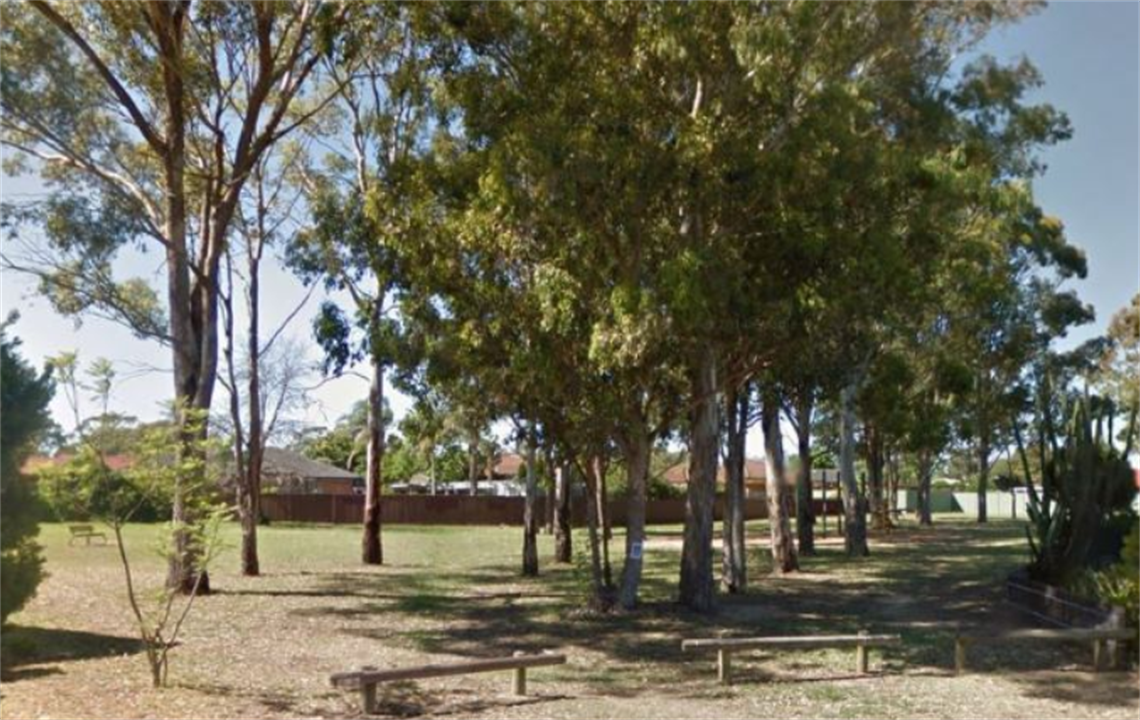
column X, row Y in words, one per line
column 723, row 666
column 1098, row 655
column 959, row 655
column 368, row 693
column 861, row 656
column 520, row 677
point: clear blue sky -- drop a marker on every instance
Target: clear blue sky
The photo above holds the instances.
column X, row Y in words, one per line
column 1087, row 52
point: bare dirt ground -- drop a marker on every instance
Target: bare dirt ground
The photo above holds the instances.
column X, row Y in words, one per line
column 264, row 647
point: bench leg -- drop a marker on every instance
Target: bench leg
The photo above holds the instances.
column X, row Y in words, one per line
column 861, row 659
column 368, row 693
column 723, row 666
column 519, row 684
column 1098, row 655
column 959, row 656
column 368, row 698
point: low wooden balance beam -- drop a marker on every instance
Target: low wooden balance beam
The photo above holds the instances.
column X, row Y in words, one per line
column 367, row 678
column 726, row 646
column 1097, row 636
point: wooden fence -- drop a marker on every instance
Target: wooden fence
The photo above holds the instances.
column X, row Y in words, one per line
column 466, row 510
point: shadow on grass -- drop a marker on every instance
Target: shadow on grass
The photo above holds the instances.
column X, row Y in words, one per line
column 25, row 647
column 411, row 699
column 921, row 583
column 1112, row 689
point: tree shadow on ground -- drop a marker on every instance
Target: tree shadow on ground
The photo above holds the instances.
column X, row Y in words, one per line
column 1110, row 689
column 25, row 650
column 920, row 583
column 412, row 699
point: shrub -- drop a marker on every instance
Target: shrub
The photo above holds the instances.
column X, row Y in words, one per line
column 1119, row 584
column 21, row 565
column 24, row 397
column 84, row 489
column 1085, row 482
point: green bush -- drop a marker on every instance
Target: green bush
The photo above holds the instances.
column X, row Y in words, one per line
column 21, row 565
column 1086, row 481
column 24, row 397
column 82, row 489
column 1119, row 584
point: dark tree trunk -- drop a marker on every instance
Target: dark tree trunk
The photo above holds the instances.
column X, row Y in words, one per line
column 875, row 485
column 925, row 470
column 893, row 481
column 552, row 481
column 246, row 456
column 473, row 463
column 530, row 518
column 855, row 524
column 603, row 515
column 734, row 572
column 636, row 450
column 805, row 512
column 983, row 474
column 250, row 510
column 563, row 548
column 783, row 548
column 600, row 589
column 697, row 590
column 185, row 343
column 372, row 550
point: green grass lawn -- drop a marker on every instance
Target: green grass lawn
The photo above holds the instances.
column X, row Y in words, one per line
column 264, row 647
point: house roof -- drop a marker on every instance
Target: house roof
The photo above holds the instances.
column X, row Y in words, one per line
column 282, row 462
column 507, row 465
column 35, row 463
column 755, row 471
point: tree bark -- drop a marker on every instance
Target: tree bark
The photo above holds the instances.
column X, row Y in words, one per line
column 250, row 510
column 548, row 505
column 893, row 481
column 530, row 518
column 855, row 524
column 636, row 450
column 805, row 511
column 697, row 590
column 599, row 589
column 734, row 574
column 875, row 485
column 603, row 514
column 783, row 548
column 473, row 463
column 563, row 549
column 185, row 333
column 925, row 470
column 372, row 550
column 983, row 474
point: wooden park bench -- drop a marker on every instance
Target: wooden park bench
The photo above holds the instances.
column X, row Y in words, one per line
column 367, row 678
column 725, row 646
column 85, row 532
column 1097, row 636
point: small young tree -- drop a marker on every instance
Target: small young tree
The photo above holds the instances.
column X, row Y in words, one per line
column 162, row 460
